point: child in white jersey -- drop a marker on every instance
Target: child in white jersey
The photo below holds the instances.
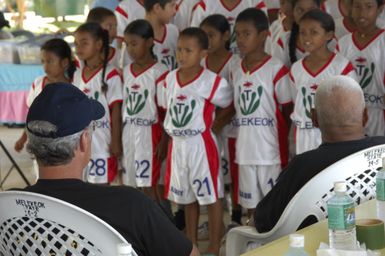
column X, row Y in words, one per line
column 284, row 22
column 107, row 20
column 261, row 90
column 160, row 13
column 142, row 130
column 218, row 60
column 56, row 58
column 365, row 49
column 193, row 173
column 316, row 29
column 184, row 9
column 102, row 82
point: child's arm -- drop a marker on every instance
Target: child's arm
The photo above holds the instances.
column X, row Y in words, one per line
column 287, row 109
column 116, row 130
column 223, row 117
column 19, row 145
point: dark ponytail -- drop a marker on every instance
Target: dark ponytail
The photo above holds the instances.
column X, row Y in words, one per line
column 293, row 42
column 98, row 33
column 61, row 49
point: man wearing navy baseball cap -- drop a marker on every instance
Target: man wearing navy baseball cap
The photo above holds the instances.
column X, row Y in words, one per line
column 59, row 128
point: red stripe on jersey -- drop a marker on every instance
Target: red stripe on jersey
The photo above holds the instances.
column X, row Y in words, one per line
column 77, row 63
column 227, row 8
column 234, row 171
column 161, row 41
column 161, row 78
column 113, row 73
column 141, row 72
column 92, row 75
column 349, row 68
column 210, row 145
column 33, row 85
column 200, row 4
column 112, row 168
column 281, row 73
column 44, row 82
column 215, row 87
column 338, row 47
column 291, row 77
column 167, row 176
column 110, row 106
column 368, row 43
column 156, row 134
column 283, row 133
column 121, row 11
column 280, row 43
column 321, row 69
column 323, row 7
column 261, row 5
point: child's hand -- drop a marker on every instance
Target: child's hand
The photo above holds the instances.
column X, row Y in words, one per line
column 116, row 148
column 19, row 145
column 161, row 149
column 217, row 127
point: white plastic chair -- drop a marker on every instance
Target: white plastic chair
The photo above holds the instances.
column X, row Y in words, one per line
column 35, row 224
column 358, row 170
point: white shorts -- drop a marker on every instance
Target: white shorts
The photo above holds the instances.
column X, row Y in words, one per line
column 193, row 171
column 255, row 181
column 101, row 169
column 224, row 149
column 307, row 139
column 376, row 122
column 141, row 167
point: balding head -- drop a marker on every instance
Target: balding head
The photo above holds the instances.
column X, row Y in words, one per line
column 339, row 104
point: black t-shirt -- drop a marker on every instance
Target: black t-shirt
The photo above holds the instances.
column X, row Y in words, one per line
column 135, row 216
column 300, row 170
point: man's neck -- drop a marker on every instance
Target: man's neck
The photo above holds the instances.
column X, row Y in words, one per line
column 60, row 172
column 341, row 134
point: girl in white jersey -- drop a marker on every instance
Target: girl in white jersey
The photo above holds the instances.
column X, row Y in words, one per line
column 218, row 60
column 316, row 29
column 102, row 82
column 56, row 58
column 365, row 49
column 142, row 130
column 284, row 22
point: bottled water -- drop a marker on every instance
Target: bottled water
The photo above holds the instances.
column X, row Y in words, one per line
column 380, row 192
column 342, row 219
column 124, row 249
column 296, row 246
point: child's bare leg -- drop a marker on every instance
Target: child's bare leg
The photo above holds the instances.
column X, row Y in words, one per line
column 151, row 192
column 192, row 218
column 216, row 226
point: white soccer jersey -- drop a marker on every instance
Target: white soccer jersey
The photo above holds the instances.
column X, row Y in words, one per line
column 224, row 71
column 277, row 29
column 257, row 96
column 184, row 8
column 37, row 86
column 190, row 107
column 370, row 67
column 207, row 7
column 126, row 12
column 272, row 4
column 333, row 7
column 101, row 137
column 341, row 28
column 114, row 59
column 304, row 86
column 165, row 49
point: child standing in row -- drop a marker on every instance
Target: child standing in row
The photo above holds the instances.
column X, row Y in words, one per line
column 142, row 121
column 193, row 172
column 102, row 82
column 261, row 87
column 365, row 49
column 316, row 29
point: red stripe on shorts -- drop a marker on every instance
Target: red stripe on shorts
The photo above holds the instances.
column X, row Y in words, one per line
column 234, row 171
column 112, row 168
column 167, row 176
column 156, row 134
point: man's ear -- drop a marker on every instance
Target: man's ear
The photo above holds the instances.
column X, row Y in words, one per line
column 84, row 141
column 314, row 118
column 365, row 117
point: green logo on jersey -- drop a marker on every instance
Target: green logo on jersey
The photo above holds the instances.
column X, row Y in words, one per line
column 248, row 101
column 181, row 113
column 135, row 101
column 367, row 76
column 96, row 95
column 307, row 102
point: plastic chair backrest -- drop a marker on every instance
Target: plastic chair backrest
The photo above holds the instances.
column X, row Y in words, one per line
column 35, row 224
column 358, row 170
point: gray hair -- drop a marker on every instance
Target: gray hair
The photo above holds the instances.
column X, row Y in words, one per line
column 51, row 151
column 339, row 102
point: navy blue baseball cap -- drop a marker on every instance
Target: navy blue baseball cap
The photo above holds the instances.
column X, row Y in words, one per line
column 67, row 107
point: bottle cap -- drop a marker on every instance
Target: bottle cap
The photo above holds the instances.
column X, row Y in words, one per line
column 124, row 248
column 340, row 186
column 297, row 240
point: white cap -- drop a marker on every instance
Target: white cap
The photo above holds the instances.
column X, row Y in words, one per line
column 297, row 240
column 340, row 186
column 124, row 248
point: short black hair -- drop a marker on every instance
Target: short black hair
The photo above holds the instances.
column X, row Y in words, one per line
column 99, row 14
column 325, row 19
column 255, row 16
column 198, row 34
column 149, row 4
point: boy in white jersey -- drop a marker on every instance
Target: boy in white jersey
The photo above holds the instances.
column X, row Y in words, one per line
column 193, row 172
column 142, row 130
column 159, row 13
column 102, row 82
column 365, row 49
column 184, row 9
column 261, row 87
column 316, row 29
